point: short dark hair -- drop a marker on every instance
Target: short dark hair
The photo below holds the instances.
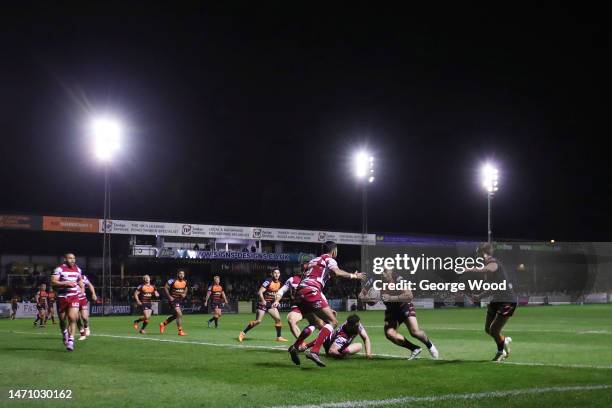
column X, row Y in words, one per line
column 353, row 319
column 329, row 246
column 484, row 248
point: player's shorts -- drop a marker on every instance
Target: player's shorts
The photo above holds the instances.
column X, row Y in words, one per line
column 311, row 299
column 41, row 308
column 50, row 306
column 177, row 303
column 14, row 308
column 69, row 302
column 501, row 308
column 397, row 312
column 146, row 306
column 295, row 309
column 84, row 305
column 217, row 305
column 265, row 307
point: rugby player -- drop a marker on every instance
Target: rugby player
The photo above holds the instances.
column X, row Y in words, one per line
column 83, row 322
column 313, row 303
column 217, row 297
column 176, row 291
column 41, row 298
column 267, row 304
column 67, row 280
column 143, row 295
column 502, row 304
column 14, row 305
column 399, row 309
column 339, row 343
column 50, row 304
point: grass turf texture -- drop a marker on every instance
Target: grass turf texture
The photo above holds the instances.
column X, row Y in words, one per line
column 562, row 346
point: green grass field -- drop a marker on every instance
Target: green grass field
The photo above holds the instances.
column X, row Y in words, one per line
column 562, row 356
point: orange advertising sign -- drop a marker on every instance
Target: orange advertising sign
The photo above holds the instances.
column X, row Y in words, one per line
column 70, row 224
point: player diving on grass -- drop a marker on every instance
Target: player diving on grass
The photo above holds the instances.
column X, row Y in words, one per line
column 313, row 303
column 339, row 344
column 399, row 309
column 502, row 303
column 175, row 291
column 217, row 297
column 144, row 295
column 267, row 304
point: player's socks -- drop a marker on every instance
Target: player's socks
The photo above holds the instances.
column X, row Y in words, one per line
column 408, row 344
column 279, row 328
column 507, row 342
column 145, row 322
column 216, row 322
column 428, row 343
column 249, row 326
column 501, row 343
column 303, row 336
column 323, row 334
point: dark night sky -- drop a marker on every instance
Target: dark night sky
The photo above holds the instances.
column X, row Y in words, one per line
column 249, row 115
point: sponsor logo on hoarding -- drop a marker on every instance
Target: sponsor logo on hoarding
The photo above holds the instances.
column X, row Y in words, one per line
column 187, row 229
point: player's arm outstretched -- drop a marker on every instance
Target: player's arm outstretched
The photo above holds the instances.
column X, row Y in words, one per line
column 346, row 275
column 366, row 343
column 490, row 267
column 405, row 296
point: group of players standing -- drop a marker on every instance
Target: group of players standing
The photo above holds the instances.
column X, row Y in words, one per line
column 308, row 302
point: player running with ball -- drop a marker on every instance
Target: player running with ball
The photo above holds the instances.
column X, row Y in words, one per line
column 312, row 303
column 502, row 304
column 399, row 309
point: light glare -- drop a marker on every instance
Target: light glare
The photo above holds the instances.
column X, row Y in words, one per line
column 106, row 133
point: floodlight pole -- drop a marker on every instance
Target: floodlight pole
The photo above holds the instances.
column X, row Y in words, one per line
column 489, row 202
column 106, row 261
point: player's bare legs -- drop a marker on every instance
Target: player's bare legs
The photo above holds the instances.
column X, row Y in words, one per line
column 396, row 338
column 329, row 318
column 274, row 314
column 73, row 316
column 179, row 318
column 336, row 352
column 495, row 331
column 292, row 320
column 259, row 315
column 416, row 332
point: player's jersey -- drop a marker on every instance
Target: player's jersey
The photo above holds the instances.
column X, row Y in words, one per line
column 346, row 338
column 82, row 294
column 177, row 288
column 146, row 291
column 291, row 286
column 271, row 288
column 216, row 293
column 68, row 274
column 43, row 297
column 499, row 276
column 318, row 272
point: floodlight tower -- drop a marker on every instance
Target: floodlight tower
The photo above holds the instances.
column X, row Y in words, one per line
column 364, row 173
column 106, row 134
column 490, row 178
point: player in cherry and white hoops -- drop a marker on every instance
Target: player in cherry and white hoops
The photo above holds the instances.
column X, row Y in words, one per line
column 83, row 321
column 67, row 281
column 312, row 302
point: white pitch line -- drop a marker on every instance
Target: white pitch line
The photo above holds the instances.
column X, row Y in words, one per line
column 284, row 348
column 447, row 397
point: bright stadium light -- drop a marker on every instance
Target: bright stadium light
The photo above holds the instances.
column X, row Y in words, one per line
column 490, row 178
column 490, row 182
column 363, row 169
column 106, row 132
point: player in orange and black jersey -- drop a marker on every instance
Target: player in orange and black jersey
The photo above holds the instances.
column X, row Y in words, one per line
column 176, row 291
column 144, row 295
column 51, row 297
column 41, row 298
column 267, row 300
column 217, row 300
column 14, row 306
